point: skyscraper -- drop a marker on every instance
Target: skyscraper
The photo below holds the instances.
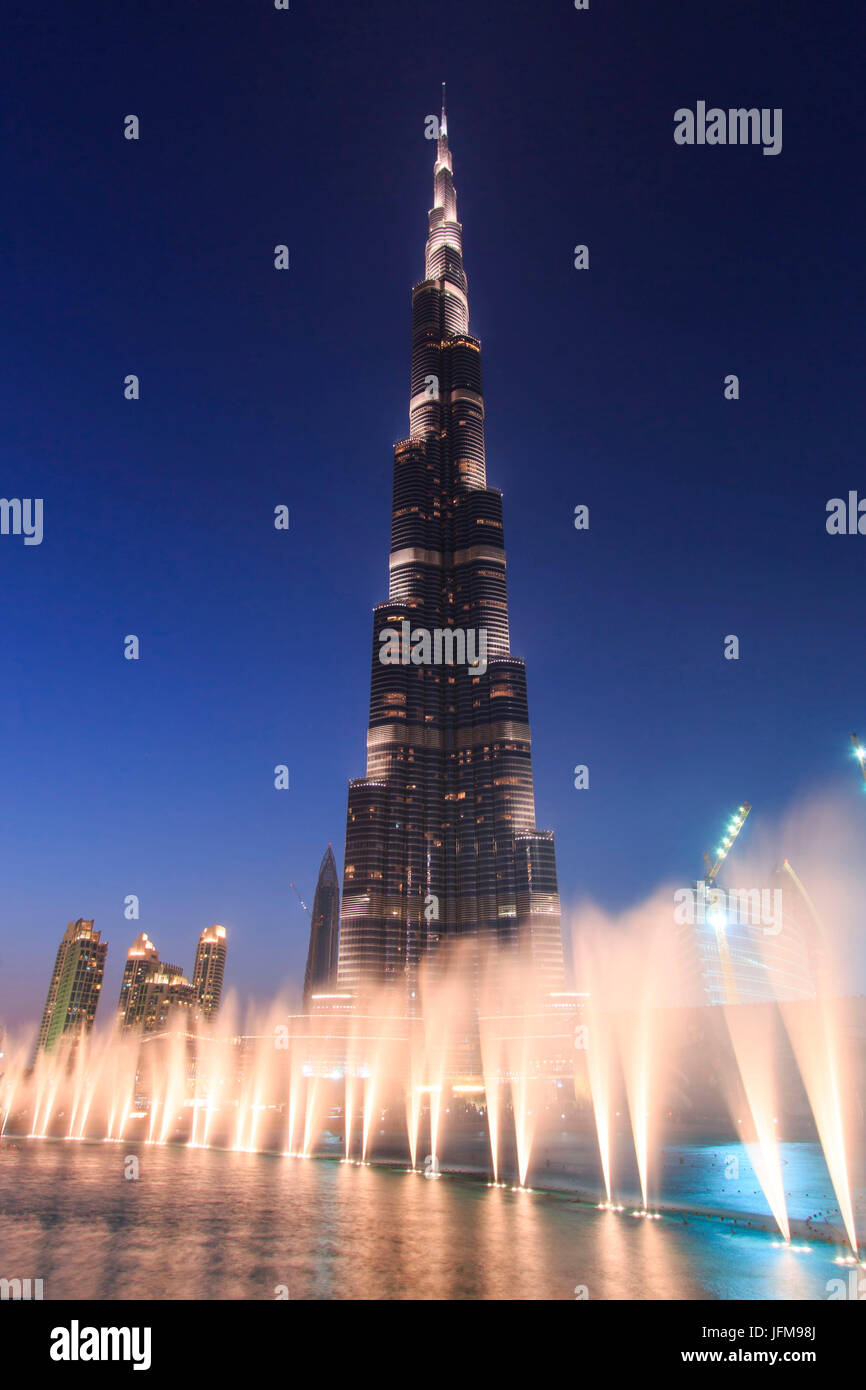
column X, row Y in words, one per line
column 207, row 975
column 73, row 994
column 321, row 972
column 151, row 988
column 142, row 961
column 441, row 841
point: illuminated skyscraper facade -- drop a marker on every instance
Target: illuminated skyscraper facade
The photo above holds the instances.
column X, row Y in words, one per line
column 321, row 972
column 151, row 989
column 76, row 982
column 441, row 841
column 209, row 969
column 142, row 962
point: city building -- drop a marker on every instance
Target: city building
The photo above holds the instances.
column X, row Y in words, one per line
column 752, row 946
column 151, row 988
column 73, row 994
column 321, row 971
column 207, row 975
column 142, row 960
column 441, row 841
column 164, row 992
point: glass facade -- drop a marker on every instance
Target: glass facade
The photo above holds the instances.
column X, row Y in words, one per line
column 441, row 841
column 76, row 982
column 321, row 971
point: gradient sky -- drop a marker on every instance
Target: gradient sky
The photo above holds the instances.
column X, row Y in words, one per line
column 603, row 387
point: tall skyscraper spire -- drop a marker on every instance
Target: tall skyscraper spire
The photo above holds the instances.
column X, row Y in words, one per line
column 321, row 971
column 441, row 840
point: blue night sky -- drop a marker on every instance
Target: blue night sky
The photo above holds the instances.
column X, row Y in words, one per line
column 258, row 388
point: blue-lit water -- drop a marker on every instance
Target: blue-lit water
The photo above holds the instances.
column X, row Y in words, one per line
column 200, row 1224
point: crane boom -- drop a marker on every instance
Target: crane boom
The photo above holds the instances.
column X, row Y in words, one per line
column 727, row 844
column 719, row 922
column 300, row 899
column 859, row 754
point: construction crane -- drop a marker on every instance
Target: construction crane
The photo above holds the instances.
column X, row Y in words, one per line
column 859, row 754
column 717, row 919
column 300, row 899
column 727, row 844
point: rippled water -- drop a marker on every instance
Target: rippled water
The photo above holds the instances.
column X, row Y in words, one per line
column 203, row 1224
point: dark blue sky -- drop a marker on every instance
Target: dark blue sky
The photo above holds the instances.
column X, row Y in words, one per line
column 258, row 388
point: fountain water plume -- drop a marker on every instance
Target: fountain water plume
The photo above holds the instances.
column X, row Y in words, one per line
column 754, row 1036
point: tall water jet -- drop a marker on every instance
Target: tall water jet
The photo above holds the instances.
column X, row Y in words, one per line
column 370, row 1098
column 815, row 1030
column 594, row 1039
column 413, row 1092
column 348, row 1112
column 752, row 1029
column 311, row 1116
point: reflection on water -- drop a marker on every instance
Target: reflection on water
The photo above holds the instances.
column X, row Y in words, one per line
column 202, row 1224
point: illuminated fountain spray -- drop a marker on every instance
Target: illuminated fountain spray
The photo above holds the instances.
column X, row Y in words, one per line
column 646, row 1031
column 815, row 1030
column 271, row 1087
column 348, row 1112
column 311, row 1115
column 10, row 1083
column 123, row 1062
column 753, row 1035
column 491, row 1065
column 83, row 1081
column 635, row 1049
column 438, row 1016
column 593, row 1039
column 414, row 1087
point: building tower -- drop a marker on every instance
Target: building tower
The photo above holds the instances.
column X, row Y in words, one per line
column 207, row 975
column 150, row 988
column 441, row 842
column 321, row 973
column 142, row 961
column 73, row 994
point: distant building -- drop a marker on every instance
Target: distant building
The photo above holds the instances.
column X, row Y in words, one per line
column 73, row 994
column 210, row 964
column 752, row 946
column 142, row 959
column 321, row 972
column 165, row 991
column 151, row 988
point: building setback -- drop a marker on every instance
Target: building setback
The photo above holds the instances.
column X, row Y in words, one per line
column 441, row 841
column 321, row 971
column 76, row 982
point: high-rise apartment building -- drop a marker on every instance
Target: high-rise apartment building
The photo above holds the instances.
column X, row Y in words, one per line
column 151, row 988
column 142, row 961
column 73, row 994
column 210, row 964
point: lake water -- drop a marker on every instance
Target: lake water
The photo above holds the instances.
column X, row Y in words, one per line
column 205, row 1224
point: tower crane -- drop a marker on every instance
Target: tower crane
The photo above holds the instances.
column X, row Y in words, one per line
column 733, row 830
column 859, row 754
column 717, row 919
column 300, row 899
